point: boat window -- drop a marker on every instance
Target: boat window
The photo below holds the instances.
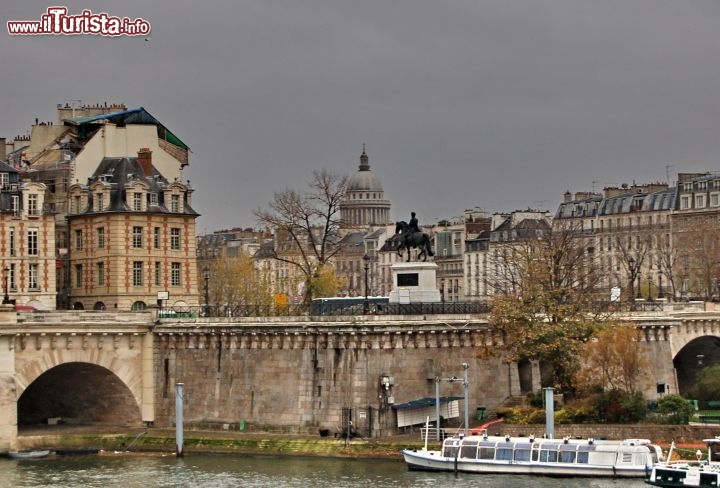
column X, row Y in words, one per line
column 567, row 456
column 583, row 457
column 714, row 452
column 503, row 454
column 535, row 453
column 522, row 454
column 450, row 449
column 469, row 450
column 487, row 453
column 548, row 456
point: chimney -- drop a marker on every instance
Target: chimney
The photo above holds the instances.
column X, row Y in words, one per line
column 3, row 151
column 144, row 157
column 567, row 196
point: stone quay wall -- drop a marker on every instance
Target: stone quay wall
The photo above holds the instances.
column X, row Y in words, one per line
column 304, row 376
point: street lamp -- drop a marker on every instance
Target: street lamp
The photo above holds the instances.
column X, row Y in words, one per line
column 660, row 288
column 631, row 268
column 6, row 297
column 366, row 267
column 206, row 274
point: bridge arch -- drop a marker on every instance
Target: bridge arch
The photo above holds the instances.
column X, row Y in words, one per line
column 77, row 392
column 102, row 387
column 696, row 354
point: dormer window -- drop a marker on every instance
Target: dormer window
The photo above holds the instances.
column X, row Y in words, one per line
column 99, row 202
column 137, row 201
column 4, row 180
column 175, row 203
column 153, row 199
column 33, row 209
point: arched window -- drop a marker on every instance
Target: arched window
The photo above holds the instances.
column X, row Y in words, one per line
column 138, row 306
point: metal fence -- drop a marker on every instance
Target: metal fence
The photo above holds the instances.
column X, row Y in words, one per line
column 439, row 308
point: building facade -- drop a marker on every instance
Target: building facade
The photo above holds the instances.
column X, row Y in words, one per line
column 132, row 236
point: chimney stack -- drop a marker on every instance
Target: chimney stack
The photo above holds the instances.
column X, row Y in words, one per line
column 3, row 150
column 144, row 156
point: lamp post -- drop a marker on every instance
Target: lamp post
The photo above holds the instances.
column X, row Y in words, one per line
column 366, row 267
column 206, row 275
column 660, row 288
column 649, row 280
column 631, row 268
column 6, row 297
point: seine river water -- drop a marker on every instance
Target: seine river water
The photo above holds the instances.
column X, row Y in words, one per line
column 207, row 471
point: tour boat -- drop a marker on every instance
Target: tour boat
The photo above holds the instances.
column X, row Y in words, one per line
column 479, row 452
column 687, row 473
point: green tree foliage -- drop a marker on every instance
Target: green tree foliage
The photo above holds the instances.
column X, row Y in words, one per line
column 545, row 306
column 676, row 408
column 307, row 226
column 707, row 386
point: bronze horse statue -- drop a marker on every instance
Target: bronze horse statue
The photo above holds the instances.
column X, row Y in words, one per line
column 410, row 240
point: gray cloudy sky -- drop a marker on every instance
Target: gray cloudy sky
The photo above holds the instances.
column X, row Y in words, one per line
column 501, row 104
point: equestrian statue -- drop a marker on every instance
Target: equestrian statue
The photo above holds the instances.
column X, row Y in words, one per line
column 412, row 237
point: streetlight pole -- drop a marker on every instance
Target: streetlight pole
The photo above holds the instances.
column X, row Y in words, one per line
column 6, row 296
column 366, row 266
column 660, row 288
column 631, row 269
column 206, row 273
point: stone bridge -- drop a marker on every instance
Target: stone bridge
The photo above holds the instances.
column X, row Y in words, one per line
column 297, row 374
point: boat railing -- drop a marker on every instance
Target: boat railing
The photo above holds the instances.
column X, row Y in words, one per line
column 431, row 433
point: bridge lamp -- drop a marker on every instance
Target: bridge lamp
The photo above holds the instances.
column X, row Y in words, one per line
column 206, row 275
column 366, row 267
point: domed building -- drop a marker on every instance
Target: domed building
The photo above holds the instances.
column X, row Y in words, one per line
column 364, row 203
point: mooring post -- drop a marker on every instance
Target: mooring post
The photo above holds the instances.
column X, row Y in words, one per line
column 179, row 395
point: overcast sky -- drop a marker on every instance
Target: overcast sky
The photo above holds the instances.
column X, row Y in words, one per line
column 499, row 104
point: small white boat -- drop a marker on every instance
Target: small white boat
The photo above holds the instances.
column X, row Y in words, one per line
column 631, row 458
column 703, row 472
column 40, row 453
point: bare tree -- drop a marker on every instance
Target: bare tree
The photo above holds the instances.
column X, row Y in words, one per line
column 550, row 309
column 699, row 238
column 307, row 225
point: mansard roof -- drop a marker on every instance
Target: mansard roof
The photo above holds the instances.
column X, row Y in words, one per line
column 121, row 173
column 137, row 116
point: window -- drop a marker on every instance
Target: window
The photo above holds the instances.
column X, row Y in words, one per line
column 101, row 237
column 175, row 238
column 100, row 273
column 76, row 204
column 33, row 204
column 33, row 278
column 684, row 202
column 175, row 203
column 15, row 204
column 156, row 237
column 137, row 201
column 715, row 200
column 4, row 180
column 78, row 239
column 78, row 275
column 137, row 273
column 137, row 237
column 153, row 199
column 12, row 241
column 175, row 273
column 12, row 277
column 158, row 273
column 99, row 202
column 32, row 242
column 699, row 201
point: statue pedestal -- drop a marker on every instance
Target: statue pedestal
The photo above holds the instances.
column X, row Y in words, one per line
column 414, row 282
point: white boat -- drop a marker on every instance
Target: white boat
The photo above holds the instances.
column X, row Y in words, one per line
column 483, row 453
column 28, row 454
column 703, row 472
